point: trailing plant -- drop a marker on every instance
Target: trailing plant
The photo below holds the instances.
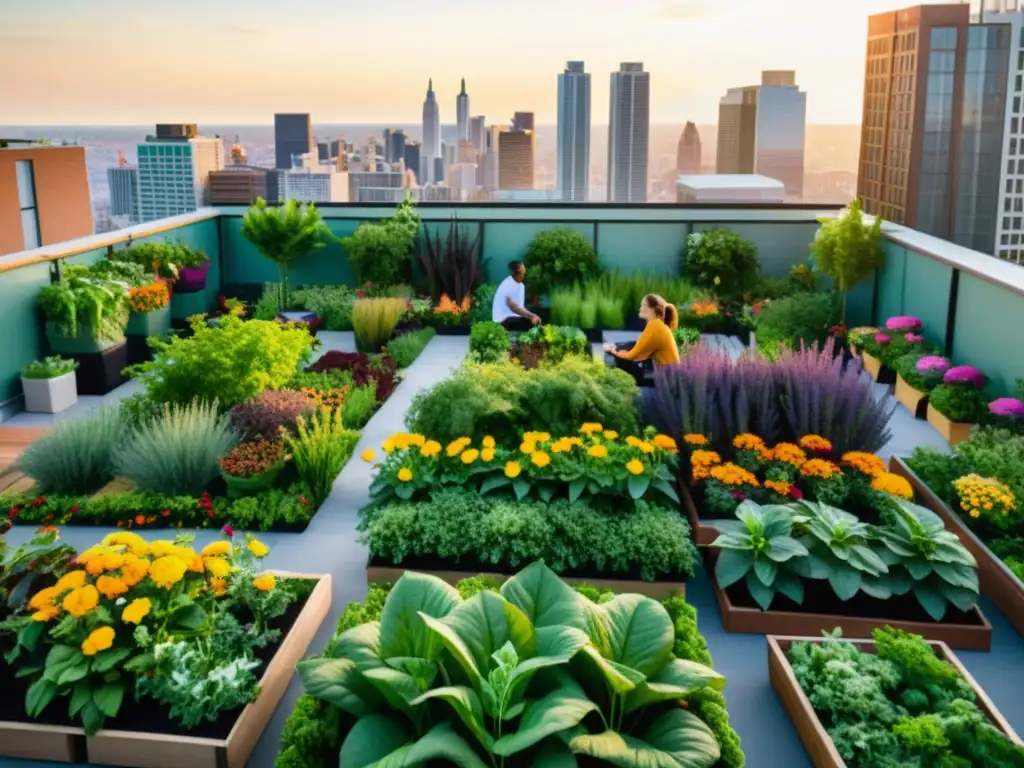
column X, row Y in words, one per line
column 49, row 368
column 379, row 251
column 452, row 266
column 848, row 250
column 374, row 321
column 406, row 348
column 85, row 305
column 270, row 412
column 722, row 261
column 76, row 455
column 558, row 257
column 320, row 449
column 178, row 452
column 488, row 342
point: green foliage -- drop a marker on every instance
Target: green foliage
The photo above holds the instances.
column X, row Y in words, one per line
column 123, row 271
column 451, row 267
column 28, row 567
column 488, row 342
column 320, row 449
column 803, row 319
column 49, row 368
column 848, row 250
column 176, row 453
column 551, row 343
column 722, row 261
column 558, row 257
column 482, row 304
column 269, row 305
column 230, row 363
column 331, row 303
column 374, row 321
column 284, row 233
column 359, row 405
column 83, row 305
column 321, row 381
column 589, row 306
column 312, row 735
column 76, row 456
column 504, row 400
column 379, row 251
column 164, row 259
column 686, row 338
column 630, row 289
column 962, row 403
column 406, row 348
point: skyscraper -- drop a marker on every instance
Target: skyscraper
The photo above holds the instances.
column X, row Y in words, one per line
column 394, row 149
column 573, row 152
column 761, row 130
column 493, row 141
column 515, row 153
column 412, row 157
column 174, row 172
column 688, row 158
column 462, row 114
column 932, row 138
column 123, row 180
column 629, row 123
column 431, row 133
column 478, row 133
column 293, row 135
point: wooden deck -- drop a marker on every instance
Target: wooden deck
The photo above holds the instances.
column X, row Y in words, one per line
column 14, row 440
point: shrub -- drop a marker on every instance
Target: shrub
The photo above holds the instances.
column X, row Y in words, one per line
column 558, row 257
column 374, row 321
column 451, row 266
column 49, row 368
column 806, row 318
column 86, row 306
column 686, row 339
column 163, row 259
column 722, row 261
column 482, row 303
column 962, row 403
column 331, row 303
column 267, row 413
column 379, row 252
column 76, row 456
column 320, row 449
column 406, row 348
column 379, row 370
column 848, row 250
column 252, row 458
column 488, row 342
column 122, row 271
column 550, row 343
column 230, row 363
column 176, row 453
column 358, row 405
column 324, row 381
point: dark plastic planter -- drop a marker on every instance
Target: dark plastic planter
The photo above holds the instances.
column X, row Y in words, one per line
column 101, row 372
column 452, row 330
column 192, row 279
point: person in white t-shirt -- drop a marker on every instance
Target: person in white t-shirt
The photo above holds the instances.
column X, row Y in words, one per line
column 509, row 307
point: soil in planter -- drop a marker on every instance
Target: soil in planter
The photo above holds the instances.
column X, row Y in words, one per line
column 146, row 715
column 819, row 598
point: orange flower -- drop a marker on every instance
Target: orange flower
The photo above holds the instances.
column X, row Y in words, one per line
column 694, row 439
column 781, row 487
column 732, row 474
column 865, row 463
column 815, row 443
column 666, row 443
column 747, row 442
column 819, row 468
column 789, row 454
column 893, row 484
column 149, row 298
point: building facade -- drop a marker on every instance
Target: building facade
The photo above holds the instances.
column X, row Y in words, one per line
column 174, row 174
column 431, row 134
column 629, row 124
column 688, row 153
column 293, row 135
column 238, row 185
column 123, row 180
column 573, row 150
column 516, row 153
column 306, row 186
column 478, row 133
column 462, row 114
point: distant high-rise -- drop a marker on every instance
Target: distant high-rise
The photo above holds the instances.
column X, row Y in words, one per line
column 412, row 157
column 293, row 135
column 573, row 153
column 431, row 131
column 515, row 153
column 493, row 141
column 394, row 146
column 688, row 154
column 761, row 130
column 629, row 124
column 174, row 173
column 123, row 180
column 462, row 114
column 239, row 185
column 478, row 133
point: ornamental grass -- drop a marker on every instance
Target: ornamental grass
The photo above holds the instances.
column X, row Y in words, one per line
column 374, row 322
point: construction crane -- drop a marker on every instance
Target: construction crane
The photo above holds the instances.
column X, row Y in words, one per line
column 5, row 142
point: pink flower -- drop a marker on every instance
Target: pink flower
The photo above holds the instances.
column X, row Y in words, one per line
column 228, row 530
column 932, row 364
column 881, row 339
column 965, row 374
column 795, row 492
column 903, row 323
column 1007, row 406
column 738, row 495
column 755, row 309
column 913, row 338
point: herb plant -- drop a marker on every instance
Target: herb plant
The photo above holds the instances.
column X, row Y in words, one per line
column 320, row 449
column 488, row 342
column 87, row 306
column 379, row 251
column 406, row 348
column 49, row 368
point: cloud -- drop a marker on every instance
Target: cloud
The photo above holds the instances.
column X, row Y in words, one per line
column 244, row 30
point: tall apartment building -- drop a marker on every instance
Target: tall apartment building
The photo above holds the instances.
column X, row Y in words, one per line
column 323, row 185
column 573, row 151
column 516, row 153
column 932, row 139
column 491, row 157
column 431, row 134
column 478, row 133
column 413, row 152
column 293, row 135
column 174, row 172
column 384, row 180
column 239, row 185
column 629, row 124
column 462, row 114
column 123, row 180
column 688, row 153
column 44, row 196
column 761, row 129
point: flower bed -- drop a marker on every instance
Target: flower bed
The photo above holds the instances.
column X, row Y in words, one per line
column 179, row 633
column 323, row 728
column 898, row 699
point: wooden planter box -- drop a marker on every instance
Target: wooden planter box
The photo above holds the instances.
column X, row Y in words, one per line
column 134, row 749
column 954, row 431
column 997, row 581
column 877, row 370
column 815, row 739
column 754, row 621
column 704, row 531
column 659, row 590
column 914, row 400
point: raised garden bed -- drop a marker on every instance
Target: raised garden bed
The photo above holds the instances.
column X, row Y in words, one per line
column 877, row 369
column 914, row 400
column 228, row 743
column 856, row 617
column 997, row 581
column 816, row 740
column 704, row 531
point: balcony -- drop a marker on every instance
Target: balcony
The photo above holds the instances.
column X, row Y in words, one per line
column 971, row 305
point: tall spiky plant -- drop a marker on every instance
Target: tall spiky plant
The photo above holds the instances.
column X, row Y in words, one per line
column 285, row 233
column 451, row 266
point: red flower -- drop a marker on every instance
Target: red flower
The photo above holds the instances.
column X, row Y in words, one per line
column 140, row 519
column 302, row 500
column 209, row 513
column 74, row 509
column 360, row 294
column 796, row 493
column 39, row 502
column 165, row 513
column 48, row 519
column 228, row 530
column 738, row 495
column 756, row 309
column 14, row 512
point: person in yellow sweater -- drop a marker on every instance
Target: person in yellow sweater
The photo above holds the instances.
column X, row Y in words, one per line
column 656, row 342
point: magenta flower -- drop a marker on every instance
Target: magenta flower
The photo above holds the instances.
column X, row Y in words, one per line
column 1007, row 406
column 903, row 323
column 881, row 339
column 932, row 364
column 738, row 495
column 913, row 338
column 228, row 530
column 965, row 374
column 796, row 493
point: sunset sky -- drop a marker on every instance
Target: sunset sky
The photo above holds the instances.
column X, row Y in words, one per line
column 129, row 62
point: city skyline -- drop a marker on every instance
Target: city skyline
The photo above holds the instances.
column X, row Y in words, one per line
column 677, row 39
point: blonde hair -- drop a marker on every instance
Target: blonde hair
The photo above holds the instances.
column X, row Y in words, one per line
column 662, row 309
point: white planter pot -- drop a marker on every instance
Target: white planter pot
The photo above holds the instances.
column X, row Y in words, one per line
column 50, row 395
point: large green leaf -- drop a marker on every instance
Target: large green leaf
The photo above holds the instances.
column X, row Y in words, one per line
column 732, row 565
column 958, row 576
column 361, row 644
column 555, row 646
column 553, row 754
column 545, row 599
column 467, row 706
column 399, row 688
column 338, row 682
column 619, row 677
column 402, row 631
column 440, row 743
column 373, row 738
column 844, row 580
column 677, row 739
column 38, row 696
column 762, row 594
column 784, row 548
column 933, row 603
column 674, row 681
column 766, row 570
column 637, row 633
column 563, row 708
column 964, row 599
column 638, row 485
column 108, row 698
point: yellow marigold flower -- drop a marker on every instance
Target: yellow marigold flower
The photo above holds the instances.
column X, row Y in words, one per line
column 220, row 586
column 765, row 454
column 887, row 482
column 99, row 640
column 635, row 467
column 44, row 597
column 430, row 448
column 217, row 566
column 186, row 554
column 666, row 443
column 468, row 457
column 597, row 452
column 46, row 613
column 70, row 580
column 134, row 570
column 417, row 439
column 791, row 454
column 695, row 439
column 388, row 445
column 161, row 548
column 135, row 543
column 95, row 566
column 575, row 442
column 865, row 463
column 540, row 459
column 561, row 445
column 136, row 610
column 646, row 448
column 633, row 442
column 196, row 565
column 80, row 601
column 732, row 474
column 455, row 448
column 512, row 469
column 110, row 586
column 368, row 455
column 527, row 447
column 487, row 454
column 258, row 548
column 815, row 443
column 747, row 442
column 610, row 434
column 818, row 468
column 404, row 475
column 700, row 472
column 705, row 458
column 92, row 552
column 591, row 427
column 167, row 571
column 781, row 487
column 215, row 548
column 488, row 442
column 264, row 583
column 537, row 437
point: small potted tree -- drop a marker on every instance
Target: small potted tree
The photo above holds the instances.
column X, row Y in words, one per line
column 49, row 384
column 849, row 251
